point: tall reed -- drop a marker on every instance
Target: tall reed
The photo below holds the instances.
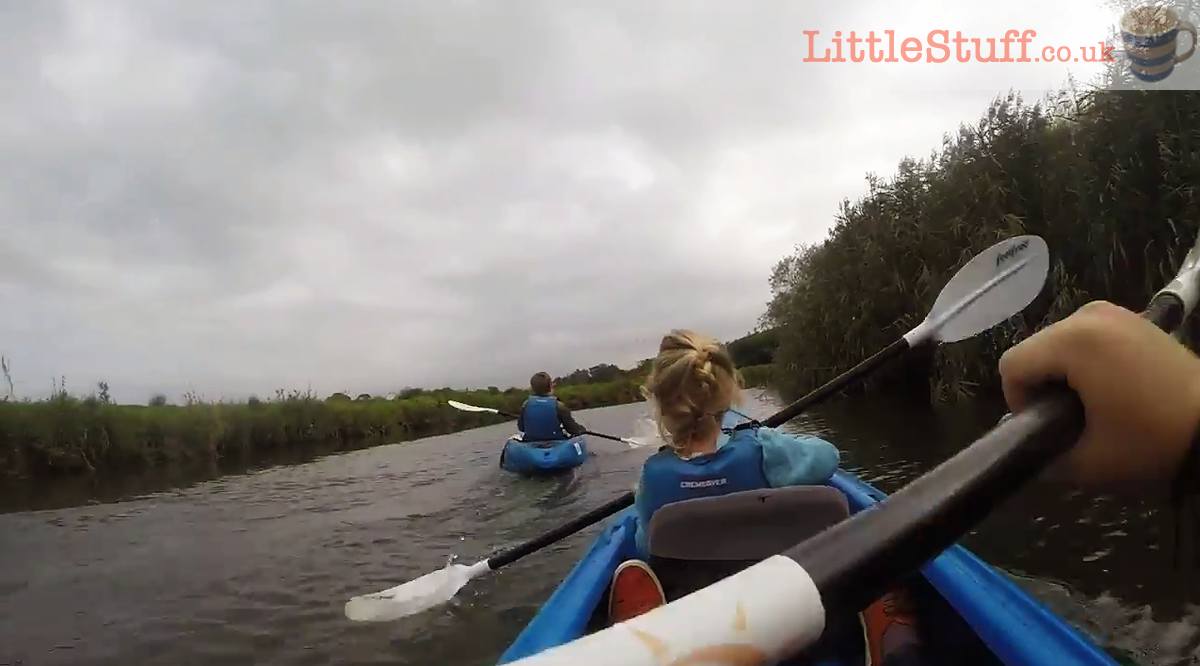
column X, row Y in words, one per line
column 1107, row 178
column 70, row 435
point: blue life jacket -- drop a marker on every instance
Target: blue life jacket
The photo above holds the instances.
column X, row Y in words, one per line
column 540, row 413
column 735, row 467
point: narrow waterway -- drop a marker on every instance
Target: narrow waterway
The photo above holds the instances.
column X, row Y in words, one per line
column 255, row 568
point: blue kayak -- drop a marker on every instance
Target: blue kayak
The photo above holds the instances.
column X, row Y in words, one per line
column 532, row 458
column 969, row 612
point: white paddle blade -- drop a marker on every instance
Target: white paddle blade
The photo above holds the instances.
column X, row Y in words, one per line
column 994, row 286
column 415, row 596
column 470, row 408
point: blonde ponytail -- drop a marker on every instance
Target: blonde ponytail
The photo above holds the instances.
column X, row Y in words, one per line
column 692, row 383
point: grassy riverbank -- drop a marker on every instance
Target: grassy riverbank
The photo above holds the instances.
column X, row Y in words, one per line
column 69, row 435
column 1107, row 178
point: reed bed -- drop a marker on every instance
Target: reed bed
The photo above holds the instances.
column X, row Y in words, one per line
column 72, row 435
column 1107, row 178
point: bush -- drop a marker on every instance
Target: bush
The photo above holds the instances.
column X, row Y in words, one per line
column 1107, row 178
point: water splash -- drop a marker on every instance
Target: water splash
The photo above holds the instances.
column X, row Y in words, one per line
column 645, row 433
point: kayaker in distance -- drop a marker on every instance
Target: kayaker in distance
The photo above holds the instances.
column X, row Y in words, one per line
column 543, row 417
column 693, row 382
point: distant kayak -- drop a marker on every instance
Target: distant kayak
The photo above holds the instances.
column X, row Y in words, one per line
column 969, row 613
column 533, row 458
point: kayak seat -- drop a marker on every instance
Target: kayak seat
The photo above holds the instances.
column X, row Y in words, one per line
column 752, row 525
column 698, row 542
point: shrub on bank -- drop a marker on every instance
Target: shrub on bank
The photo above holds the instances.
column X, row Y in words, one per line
column 757, row 375
column 1107, row 178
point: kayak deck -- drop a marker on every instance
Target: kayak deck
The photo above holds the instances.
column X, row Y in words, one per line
column 540, row 457
column 968, row 612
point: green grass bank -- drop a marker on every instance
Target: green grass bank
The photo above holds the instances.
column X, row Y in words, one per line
column 69, row 435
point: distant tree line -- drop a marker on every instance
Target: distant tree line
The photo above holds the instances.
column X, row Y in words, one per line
column 597, row 374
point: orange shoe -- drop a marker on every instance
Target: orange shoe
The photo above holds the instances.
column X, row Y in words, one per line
column 891, row 624
column 635, row 590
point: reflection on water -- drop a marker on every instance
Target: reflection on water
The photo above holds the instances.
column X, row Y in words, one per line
column 255, row 568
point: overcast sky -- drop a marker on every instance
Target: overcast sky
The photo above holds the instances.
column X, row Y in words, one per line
column 366, row 195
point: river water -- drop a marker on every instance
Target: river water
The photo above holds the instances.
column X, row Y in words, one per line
column 255, row 568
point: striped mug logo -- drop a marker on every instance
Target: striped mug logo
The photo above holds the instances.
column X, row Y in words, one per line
column 1151, row 35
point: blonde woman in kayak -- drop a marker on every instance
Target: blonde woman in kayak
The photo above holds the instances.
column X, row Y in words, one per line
column 693, row 382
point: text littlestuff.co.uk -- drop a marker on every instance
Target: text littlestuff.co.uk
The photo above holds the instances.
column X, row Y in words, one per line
column 964, row 49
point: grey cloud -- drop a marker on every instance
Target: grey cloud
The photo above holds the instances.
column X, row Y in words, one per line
column 234, row 197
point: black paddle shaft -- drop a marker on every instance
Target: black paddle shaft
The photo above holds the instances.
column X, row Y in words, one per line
column 561, row 532
column 855, row 562
column 602, row 436
column 838, row 383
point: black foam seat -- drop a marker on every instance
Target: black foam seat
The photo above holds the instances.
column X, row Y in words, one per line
column 752, row 525
column 698, row 542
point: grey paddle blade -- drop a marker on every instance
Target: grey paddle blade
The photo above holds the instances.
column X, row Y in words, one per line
column 997, row 284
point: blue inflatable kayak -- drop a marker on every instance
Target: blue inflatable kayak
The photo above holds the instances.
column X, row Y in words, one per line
column 969, row 613
column 531, row 458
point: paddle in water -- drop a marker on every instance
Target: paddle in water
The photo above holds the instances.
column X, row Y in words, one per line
column 993, row 287
column 472, row 408
column 437, row 588
column 782, row 603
